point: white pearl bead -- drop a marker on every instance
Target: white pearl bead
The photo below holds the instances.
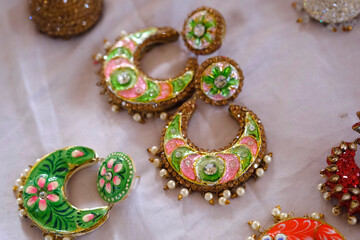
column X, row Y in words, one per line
column 19, row 182
column 326, row 195
column 267, row 159
column 276, row 212
column 107, row 44
column 283, row 216
column 26, row 171
column 66, row 238
column 163, row 116
column 19, row 201
column 255, row 225
column 250, row 238
column 49, row 237
column 352, row 220
column 336, row 210
column 208, row 196
column 240, row 191
column 184, row 192
column 21, row 189
column 260, row 172
column 38, row 160
column 320, row 187
column 22, row 175
column 222, row 201
column 156, row 162
column 227, row 193
column 171, row 184
column 114, row 108
column 98, row 57
column 137, row 117
column 22, row 212
column 154, row 150
column 315, row 215
column 163, row 173
column 149, row 115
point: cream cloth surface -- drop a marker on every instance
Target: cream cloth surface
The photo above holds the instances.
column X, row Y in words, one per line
column 303, row 81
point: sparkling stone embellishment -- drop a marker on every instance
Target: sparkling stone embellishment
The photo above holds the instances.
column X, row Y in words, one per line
column 252, row 127
column 332, row 11
column 42, row 194
column 210, row 169
column 108, row 176
column 123, row 78
column 199, row 30
column 220, row 81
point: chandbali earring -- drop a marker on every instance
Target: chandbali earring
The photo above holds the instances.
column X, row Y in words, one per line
column 343, row 178
column 40, row 191
column 334, row 14
column 64, row 19
column 222, row 172
column 287, row 227
column 129, row 88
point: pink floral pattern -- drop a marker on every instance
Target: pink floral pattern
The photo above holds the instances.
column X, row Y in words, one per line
column 108, row 173
column 42, row 192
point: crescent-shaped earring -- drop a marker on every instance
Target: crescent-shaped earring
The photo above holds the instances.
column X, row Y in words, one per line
column 130, row 88
column 287, row 226
column 40, row 191
column 222, row 172
column 343, row 178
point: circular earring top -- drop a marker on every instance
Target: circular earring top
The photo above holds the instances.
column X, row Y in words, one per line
column 219, row 80
column 63, row 18
column 115, row 177
column 204, row 30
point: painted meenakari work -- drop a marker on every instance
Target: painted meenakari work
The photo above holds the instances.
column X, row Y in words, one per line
column 289, row 227
column 130, row 88
column 204, row 30
column 222, row 172
column 219, row 80
column 335, row 15
column 41, row 191
column 343, row 178
column 64, row 19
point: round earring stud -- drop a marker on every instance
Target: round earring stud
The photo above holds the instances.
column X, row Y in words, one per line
column 204, row 30
column 219, row 80
column 65, row 19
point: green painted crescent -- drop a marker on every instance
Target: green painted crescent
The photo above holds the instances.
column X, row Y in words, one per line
column 44, row 197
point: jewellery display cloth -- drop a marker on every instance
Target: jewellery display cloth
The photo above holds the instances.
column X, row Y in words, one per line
column 303, row 82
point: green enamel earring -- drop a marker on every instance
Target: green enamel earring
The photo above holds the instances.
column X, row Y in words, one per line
column 221, row 173
column 40, row 191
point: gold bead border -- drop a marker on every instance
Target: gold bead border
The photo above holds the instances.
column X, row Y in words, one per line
column 238, row 113
column 202, row 68
column 57, row 23
column 164, row 35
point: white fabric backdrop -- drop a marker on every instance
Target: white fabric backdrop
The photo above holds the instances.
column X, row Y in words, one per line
column 301, row 80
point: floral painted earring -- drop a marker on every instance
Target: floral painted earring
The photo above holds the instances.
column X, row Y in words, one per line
column 343, row 178
column 203, row 31
column 129, row 88
column 289, row 227
column 40, row 191
column 223, row 172
column 334, row 14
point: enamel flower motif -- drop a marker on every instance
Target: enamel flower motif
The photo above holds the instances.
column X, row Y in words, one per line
column 220, row 82
column 109, row 177
column 200, row 30
column 41, row 193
